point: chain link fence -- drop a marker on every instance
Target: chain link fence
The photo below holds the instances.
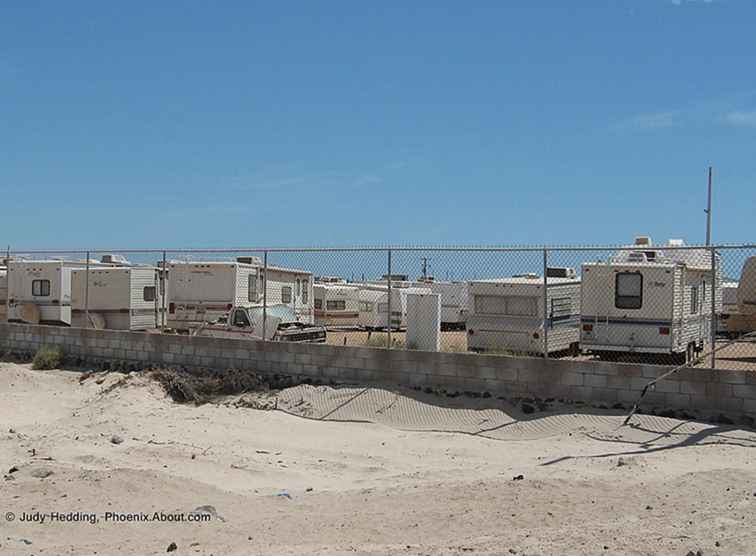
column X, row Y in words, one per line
column 642, row 303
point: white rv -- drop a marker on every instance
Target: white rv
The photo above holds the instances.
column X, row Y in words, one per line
column 40, row 291
column 454, row 306
column 201, row 292
column 374, row 305
column 336, row 304
column 649, row 300
column 119, row 298
column 738, row 314
column 507, row 314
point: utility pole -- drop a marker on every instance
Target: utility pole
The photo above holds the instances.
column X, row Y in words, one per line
column 708, row 211
column 425, row 268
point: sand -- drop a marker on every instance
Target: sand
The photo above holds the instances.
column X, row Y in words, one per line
column 356, row 471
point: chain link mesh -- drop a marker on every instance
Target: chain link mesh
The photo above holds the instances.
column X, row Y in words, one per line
column 642, row 304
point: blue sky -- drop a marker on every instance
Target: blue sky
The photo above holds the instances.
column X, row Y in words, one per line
column 340, row 123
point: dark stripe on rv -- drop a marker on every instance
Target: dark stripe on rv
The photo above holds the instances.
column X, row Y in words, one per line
column 595, row 320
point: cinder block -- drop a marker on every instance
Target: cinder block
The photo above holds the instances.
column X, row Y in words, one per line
column 678, row 401
column 595, row 381
column 714, row 390
column 667, row 386
column 619, row 382
column 507, row 374
column 749, row 406
column 603, row 395
column 652, row 371
column 745, row 391
column 572, row 379
column 694, row 388
column 629, row 371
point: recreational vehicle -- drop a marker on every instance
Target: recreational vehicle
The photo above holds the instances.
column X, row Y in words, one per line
column 201, row 292
column 336, row 304
column 374, row 306
column 117, row 298
column 507, row 314
column 738, row 314
column 649, row 300
column 40, row 291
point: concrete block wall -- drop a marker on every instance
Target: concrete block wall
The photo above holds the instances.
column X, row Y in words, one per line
column 708, row 393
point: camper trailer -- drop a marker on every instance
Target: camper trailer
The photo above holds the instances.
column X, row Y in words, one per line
column 453, row 302
column 40, row 291
column 117, row 298
column 201, row 292
column 738, row 314
column 374, row 306
column 336, row 305
column 453, row 296
column 649, row 300
column 3, row 294
column 507, row 314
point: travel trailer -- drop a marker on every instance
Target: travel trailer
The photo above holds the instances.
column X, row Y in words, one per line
column 119, row 298
column 336, row 304
column 201, row 292
column 40, row 291
column 507, row 314
column 738, row 314
column 374, row 306
column 649, row 300
column 453, row 297
column 454, row 305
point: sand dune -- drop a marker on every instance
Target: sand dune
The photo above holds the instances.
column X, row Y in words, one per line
column 364, row 472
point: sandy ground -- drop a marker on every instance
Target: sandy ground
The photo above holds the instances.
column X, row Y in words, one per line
column 359, row 471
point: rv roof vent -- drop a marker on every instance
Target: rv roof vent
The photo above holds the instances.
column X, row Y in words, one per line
column 528, row 275
column 675, row 243
column 560, row 272
column 249, row 260
column 113, row 259
column 636, row 257
column 642, row 240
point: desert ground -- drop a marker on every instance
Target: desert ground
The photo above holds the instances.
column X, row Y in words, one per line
column 317, row 470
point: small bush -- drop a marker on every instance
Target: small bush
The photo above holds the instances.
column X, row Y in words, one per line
column 47, row 358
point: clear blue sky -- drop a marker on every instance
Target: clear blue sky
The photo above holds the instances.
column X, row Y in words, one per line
column 340, row 123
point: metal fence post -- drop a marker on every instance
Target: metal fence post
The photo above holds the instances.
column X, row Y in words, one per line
column 265, row 293
column 714, row 320
column 388, row 316
column 86, row 293
column 7, row 284
column 545, row 305
column 163, row 293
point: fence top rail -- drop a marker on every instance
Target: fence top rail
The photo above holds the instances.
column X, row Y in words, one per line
column 383, row 248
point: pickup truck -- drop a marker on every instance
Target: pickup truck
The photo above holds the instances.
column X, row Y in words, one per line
column 246, row 323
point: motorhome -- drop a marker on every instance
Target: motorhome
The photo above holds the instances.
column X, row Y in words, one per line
column 336, row 305
column 117, row 298
column 507, row 314
column 738, row 314
column 201, row 292
column 650, row 300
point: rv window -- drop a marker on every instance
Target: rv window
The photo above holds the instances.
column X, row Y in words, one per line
column 286, row 294
column 336, row 305
column 299, row 287
column 561, row 308
column 252, row 288
column 383, row 307
column 305, row 292
column 628, row 290
column 148, row 294
column 694, row 300
column 365, row 306
column 514, row 305
column 41, row 288
column 318, row 303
